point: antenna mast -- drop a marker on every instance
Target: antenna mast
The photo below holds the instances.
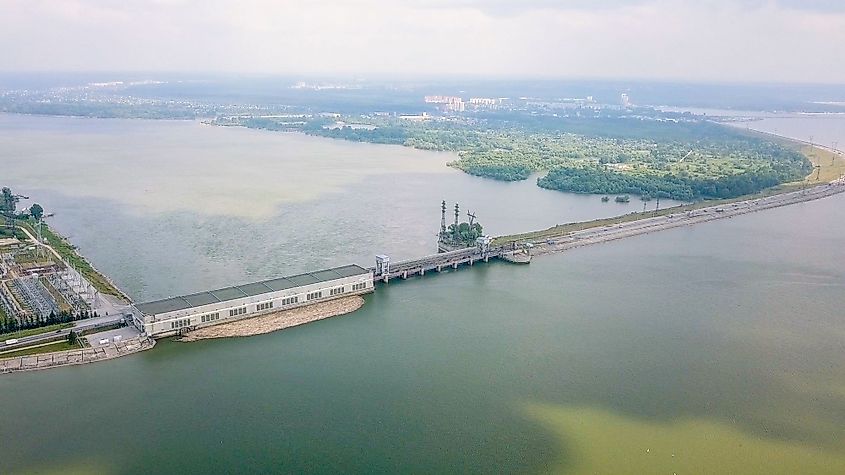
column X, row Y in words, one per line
column 456, row 232
column 443, row 220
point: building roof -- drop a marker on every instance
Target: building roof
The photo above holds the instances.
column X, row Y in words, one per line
column 248, row 290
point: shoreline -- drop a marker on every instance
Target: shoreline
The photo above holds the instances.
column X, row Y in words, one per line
column 75, row 357
column 275, row 321
column 837, row 163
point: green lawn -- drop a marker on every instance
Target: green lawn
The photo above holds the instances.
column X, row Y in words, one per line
column 37, row 350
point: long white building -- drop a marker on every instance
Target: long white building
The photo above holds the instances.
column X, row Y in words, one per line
column 178, row 314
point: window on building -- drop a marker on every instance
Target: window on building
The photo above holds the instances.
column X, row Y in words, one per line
column 264, row 306
column 237, row 311
column 210, row 317
column 176, row 324
column 314, row 295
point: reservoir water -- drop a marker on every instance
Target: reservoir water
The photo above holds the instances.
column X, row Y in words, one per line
column 710, row 349
column 170, row 207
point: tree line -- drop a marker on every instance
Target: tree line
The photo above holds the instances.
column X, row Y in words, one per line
column 11, row 325
column 599, row 180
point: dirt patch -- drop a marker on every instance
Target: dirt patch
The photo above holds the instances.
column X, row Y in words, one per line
column 277, row 320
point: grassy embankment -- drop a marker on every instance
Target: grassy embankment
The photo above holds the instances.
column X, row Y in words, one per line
column 830, row 167
column 40, row 349
column 69, row 254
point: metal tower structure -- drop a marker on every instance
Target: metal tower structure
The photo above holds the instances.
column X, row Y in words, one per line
column 443, row 220
column 455, row 232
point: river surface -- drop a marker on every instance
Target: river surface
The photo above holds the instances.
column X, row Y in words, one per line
column 173, row 207
column 718, row 348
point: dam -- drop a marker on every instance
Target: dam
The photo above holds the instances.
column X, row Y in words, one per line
column 177, row 315
column 182, row 314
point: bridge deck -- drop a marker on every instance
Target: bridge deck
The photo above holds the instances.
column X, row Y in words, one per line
column 420, row 266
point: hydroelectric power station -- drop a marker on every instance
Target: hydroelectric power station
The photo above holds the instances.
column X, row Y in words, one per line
column 461, row 243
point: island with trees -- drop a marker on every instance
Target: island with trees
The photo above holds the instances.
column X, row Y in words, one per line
column 650, row 156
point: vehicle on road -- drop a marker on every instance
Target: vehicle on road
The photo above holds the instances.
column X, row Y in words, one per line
column 11, row 341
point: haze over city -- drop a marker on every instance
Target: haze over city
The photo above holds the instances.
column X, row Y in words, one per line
column 690, row 40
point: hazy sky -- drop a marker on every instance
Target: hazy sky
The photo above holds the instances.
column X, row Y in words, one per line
column 728, row 40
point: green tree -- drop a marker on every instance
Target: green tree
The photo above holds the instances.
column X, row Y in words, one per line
column 36, row 211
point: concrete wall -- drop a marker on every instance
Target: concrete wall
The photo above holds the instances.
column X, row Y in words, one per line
column 159, row 325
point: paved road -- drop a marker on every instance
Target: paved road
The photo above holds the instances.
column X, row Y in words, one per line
column 659, row 223
column 125, row 333
column 108, row 305
column 32, row 238
column 80, row 325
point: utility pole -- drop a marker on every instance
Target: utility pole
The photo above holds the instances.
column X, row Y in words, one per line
column 456, row 233
column 443, row 220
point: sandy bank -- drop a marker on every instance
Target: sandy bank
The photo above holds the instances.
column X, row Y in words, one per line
column 277, row 320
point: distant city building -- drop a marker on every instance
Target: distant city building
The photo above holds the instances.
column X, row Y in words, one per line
column 416, row 118
column 625, row 101
column 448, row 103
column 441, row 99
column 484, row 101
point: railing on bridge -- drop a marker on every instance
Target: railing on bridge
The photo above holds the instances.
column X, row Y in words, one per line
column 385, row 270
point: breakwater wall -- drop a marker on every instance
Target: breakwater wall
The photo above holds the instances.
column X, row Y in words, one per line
column 75, row 357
